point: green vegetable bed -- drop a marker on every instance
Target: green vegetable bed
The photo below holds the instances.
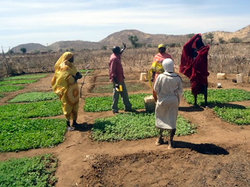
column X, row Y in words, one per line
column 219, row 96
column 131, row 86
column 33, row 97
column 10, row 88
column 239, row 116
column 11, row 82
column 31, row 110
column 18, row 132
column 29, row 76
column 131, row 126
column 23, row 134
column 35, row 171
column 90, row 71
column 98, row 104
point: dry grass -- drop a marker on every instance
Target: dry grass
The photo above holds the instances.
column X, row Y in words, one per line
column 228, row 58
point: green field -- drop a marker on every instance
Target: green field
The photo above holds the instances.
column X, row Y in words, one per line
column 239, row 116
column 35, row 171
column 33, row 97
column 219, row 96
column 18, row 132
column 11, row 82
column 28, row 76
column 131, row 126
column 98, row 104
column 22, row 134
column 31, row 110
column 131, row 87
column 10, row 88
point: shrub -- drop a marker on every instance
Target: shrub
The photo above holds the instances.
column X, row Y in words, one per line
column 235, row 40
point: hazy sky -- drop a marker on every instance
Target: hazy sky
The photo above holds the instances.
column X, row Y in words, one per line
column 48, row 21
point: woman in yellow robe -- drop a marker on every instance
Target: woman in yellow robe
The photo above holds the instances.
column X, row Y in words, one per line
column 64, row 84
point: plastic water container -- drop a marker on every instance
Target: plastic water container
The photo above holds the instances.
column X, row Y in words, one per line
column 221, row 76
column 239, row 78
column 143, row 77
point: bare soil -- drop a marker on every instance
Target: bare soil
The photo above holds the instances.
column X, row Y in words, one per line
column 217, row 155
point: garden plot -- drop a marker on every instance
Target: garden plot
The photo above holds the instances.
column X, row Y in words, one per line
column 11, row 84
column 23, row 134
column 211, row 166
column 19, row 132
column 216, row 96
column 195, row 161
column 29, row 76
column 10, row 88
column 236, row 115
column 133, row 126
column 131, row 87
column 98, row 104
column 219, row 99
column 31, row 110
column 35, row 171
column 89, row 71
column 128, row 77
column 33, row 97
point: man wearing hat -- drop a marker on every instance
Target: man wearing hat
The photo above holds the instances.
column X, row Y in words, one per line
column 156, row 67
column 116, row 76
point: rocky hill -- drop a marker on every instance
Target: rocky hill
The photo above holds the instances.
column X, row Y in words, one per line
column 243, row 34
column 75, row 45
column 118, row 38
column 30, row 47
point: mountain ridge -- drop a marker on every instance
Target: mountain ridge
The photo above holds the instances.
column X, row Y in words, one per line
column 117, row 38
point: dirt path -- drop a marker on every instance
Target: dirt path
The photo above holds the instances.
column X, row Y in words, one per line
column 217, row 155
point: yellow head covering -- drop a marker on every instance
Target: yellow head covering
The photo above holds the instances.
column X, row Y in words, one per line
column 65, row 57
column 161, row 45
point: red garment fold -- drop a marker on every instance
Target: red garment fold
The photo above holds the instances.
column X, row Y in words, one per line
column 194, row 63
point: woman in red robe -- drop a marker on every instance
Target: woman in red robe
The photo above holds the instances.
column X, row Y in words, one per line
column 194, row 65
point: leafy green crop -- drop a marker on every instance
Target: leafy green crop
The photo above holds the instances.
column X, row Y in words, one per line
column 239, row 116
column 219, row 96
column 35, row 171
column 19, row 133
column 1, row 95
column 90, row 71
column 31, row 110
column 30, row 76
column 33, row 97
column 97, row 104
column 22, row 134
column 131, row 126
column 11, row 82
column 108, row 88
column 10, row 88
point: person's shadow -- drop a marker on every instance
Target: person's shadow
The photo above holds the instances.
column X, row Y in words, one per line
column 83, row 127
column 210, row 105
column 206, row 148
